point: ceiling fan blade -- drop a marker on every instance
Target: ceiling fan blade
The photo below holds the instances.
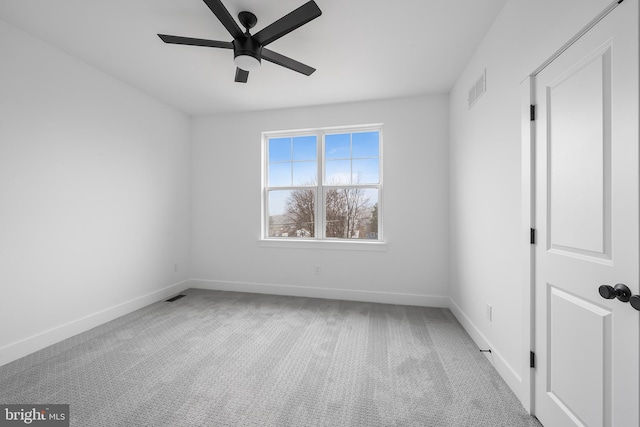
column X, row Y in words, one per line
column 286, row 62
column 288, row 23
column 241, row 75
column 225, row 18
column 195, row 42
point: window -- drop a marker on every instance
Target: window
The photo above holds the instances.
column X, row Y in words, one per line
column 323, row 184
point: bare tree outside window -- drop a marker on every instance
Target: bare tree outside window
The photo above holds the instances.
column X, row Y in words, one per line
column 300, row 210
column 348, row 214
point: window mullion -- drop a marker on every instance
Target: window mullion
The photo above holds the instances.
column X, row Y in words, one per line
column 320, row 210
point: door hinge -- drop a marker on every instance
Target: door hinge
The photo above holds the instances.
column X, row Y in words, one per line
column 532, row 236
column 532, row 112
column 532, row 359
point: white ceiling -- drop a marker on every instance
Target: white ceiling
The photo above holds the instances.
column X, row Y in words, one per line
column 362, row 49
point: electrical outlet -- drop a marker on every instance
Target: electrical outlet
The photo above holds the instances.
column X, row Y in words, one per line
column 317, row 270
column 489, row 312
column 176, row 267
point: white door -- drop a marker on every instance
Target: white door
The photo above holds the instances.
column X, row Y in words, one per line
column 587, row 202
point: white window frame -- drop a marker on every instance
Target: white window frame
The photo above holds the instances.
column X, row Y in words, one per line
column 320, row 241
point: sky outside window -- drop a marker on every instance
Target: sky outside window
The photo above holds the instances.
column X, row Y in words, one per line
column 352, row 158
column 293, row 161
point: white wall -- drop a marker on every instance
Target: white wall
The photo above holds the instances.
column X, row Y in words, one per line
column 226, row 194
column 93, row 196
column 485, row 174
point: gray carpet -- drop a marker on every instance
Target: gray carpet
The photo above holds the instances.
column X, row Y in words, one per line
column 235, row 359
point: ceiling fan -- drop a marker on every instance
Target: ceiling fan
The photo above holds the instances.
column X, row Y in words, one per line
column 248, row 49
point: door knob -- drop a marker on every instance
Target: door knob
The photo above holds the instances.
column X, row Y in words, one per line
column 620, row 291
column 635, row 302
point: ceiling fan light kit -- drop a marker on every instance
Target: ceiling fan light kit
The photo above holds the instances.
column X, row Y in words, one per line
column 248, row 50
column 247, row 62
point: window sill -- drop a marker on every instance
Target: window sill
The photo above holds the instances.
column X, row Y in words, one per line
column 376, row 246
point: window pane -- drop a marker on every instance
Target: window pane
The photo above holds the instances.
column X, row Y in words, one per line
column 279, row 149
column 337, row 146
column 292, row 213
column 304, row 148
column 366, row 144
column 277, row 201
column 304, row 173
column 351, row 213
column 366, row 171
column 337, row 172
column 279, row 174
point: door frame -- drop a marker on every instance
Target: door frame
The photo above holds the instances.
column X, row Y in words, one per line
column 528, row 181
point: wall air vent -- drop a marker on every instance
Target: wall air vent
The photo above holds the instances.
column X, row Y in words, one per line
column 478, row 89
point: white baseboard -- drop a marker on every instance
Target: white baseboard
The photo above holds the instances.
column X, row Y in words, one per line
column 506, row 371
column 31, row 344
column 326, row 293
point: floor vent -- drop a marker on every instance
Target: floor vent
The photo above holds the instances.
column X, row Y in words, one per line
column 177, row 297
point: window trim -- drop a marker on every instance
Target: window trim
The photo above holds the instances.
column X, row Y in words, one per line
column 320, row 240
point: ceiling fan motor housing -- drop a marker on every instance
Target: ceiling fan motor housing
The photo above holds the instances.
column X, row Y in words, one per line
column 247, row 46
